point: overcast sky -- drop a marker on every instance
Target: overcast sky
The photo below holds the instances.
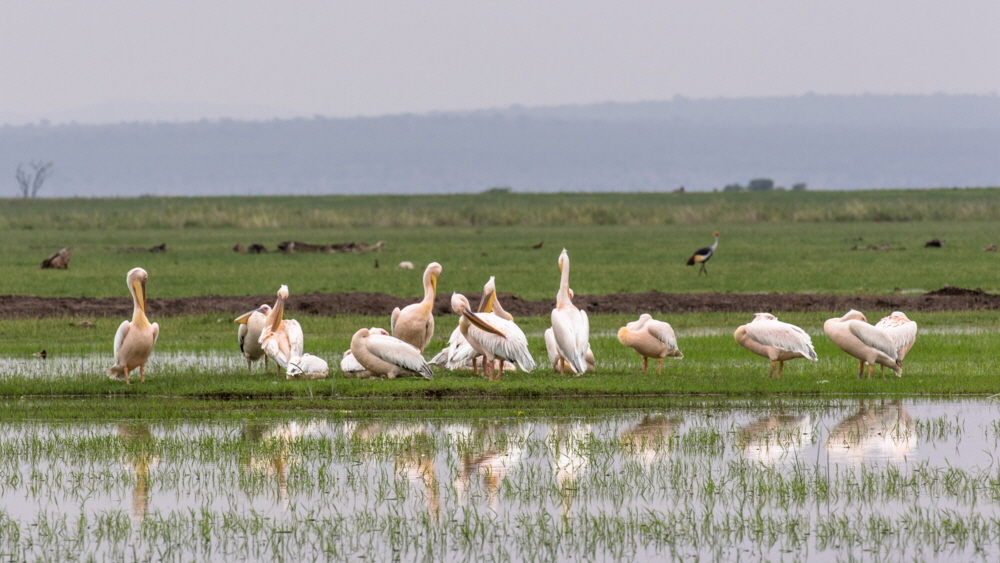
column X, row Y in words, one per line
column 185, row 59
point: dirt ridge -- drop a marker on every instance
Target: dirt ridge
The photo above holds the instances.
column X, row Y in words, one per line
column 382, row 304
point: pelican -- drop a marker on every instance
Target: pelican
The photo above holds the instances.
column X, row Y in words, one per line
column 779, row 342
column 414, row 324
column 702, row 255
column 307, row 366
column 134, row 340
column 388, row 356
column 870, row 345
column 651, row 339
column 902, row 331
column 558, row 362
column 251, row 325
column 570, row 326
column 281, row 340
column 352, row 367
column 493, row 337
column 459, row 353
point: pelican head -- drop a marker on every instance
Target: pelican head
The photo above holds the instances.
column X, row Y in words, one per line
column 245, row 317
column 854, row 315
column 459, row 303
column 136, row 279
column 432, row 273
column 563, row 259
column 489, row 297
column 377, row 330
column 274, row 316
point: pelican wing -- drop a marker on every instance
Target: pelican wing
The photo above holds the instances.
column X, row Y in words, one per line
column 156, row 332
column 241, row 335
column 399, row 353
column 511, row 345
column 120, row 336
column 551, row 347
column 296, row 340
column 350, row 363
column 454, row 341
column 569, row 332
column 782, row 336
column 902, row 332
column 874, row 337
column 461, row 356
column 392, row 320
column 663, row 332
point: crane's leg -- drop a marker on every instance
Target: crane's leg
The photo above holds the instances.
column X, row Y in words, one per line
column 645, row 361
column 142, row 373
column 659, row 370
column 703, row 270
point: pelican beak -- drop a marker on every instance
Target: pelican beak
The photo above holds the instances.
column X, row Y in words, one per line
column 481, row 323
column 486, row 303
column 277, row 313
column 434, row 282
column 140, row 293
column 242, row 319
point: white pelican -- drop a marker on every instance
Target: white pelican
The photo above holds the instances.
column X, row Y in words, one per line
column 352, row 367
column 702, row 255
column 902, row 331
column 281, row 340
column 248, row 335
column 779, row 342
column 570, row 326
column 493, row 337
column 870, row 345
column 134, row 340
column 459, row 354
column 556, row 360
column 307, row 366
column 388, row 356
column 414, row 324
column 651, row 339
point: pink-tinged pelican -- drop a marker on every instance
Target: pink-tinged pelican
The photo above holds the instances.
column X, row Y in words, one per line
column 492, row 337
column 870, row 345
column 134, row 340
column 415, row 323
column 702, row 255
column 570, row 325
column 251, row 325
column 779, row 342
column 387, row 356
column 459, row 354
column 556, row 360
column 350, row 365
column 281, row 340
column 307, row 366
column 651, row 339
column 902, row 331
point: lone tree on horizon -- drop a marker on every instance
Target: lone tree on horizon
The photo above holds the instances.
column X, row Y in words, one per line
column 29, row 182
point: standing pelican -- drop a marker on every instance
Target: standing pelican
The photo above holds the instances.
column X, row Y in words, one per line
column 902, row 331
column 459, row 353
column 556, row 360
column 493, row 337
column 248, row 335
column 388, row 356
column 651, row 339
column 779, row 342
column 570, row 326
column 414, row 324
column 702, row 255
column 870, row 345
column 281, row 340
column 134, row 340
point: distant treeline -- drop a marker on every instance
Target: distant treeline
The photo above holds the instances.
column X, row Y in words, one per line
column 826, row 142
column 497, row 208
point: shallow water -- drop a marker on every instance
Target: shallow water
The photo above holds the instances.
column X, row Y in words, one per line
column 717, row 480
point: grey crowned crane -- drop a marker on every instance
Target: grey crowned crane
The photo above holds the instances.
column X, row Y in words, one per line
column 703, row 254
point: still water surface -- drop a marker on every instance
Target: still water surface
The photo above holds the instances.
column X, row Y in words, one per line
column 892, row 480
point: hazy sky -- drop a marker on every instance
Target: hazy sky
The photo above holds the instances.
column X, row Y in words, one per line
column 345, row 58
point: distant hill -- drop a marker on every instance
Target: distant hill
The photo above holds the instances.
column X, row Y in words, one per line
column 828, row 142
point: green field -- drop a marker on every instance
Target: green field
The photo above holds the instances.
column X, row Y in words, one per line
column 618, row 243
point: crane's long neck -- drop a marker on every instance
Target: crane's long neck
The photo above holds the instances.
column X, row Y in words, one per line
column 716, row 243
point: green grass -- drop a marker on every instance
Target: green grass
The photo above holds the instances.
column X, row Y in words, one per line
column 954, row 355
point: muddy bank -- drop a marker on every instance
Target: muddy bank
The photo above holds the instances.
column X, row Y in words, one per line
column 381, row 304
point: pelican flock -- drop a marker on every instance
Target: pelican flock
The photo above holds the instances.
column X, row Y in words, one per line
column 135, row 339
column 489, row 332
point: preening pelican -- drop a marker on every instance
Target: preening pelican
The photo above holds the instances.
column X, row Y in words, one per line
column 134, row 340
column 307, row 366
column 779, row 342
column 459, row 354
column 352, row 367
column 415, row 323
column 281, row 340
column 702, row 255
column 388, row 356
column 870, row 345
column 902, row 331
column 651, row 339
column 556, row 360
column 570, row 325
column 493, row 337
column 248, row 335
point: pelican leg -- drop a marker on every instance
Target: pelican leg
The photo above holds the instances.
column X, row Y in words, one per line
column 127, row 382
column 871, row 368
column 488, row 369
column 861, row 368
column 277, row 369
column 645, row 360
column 475, row 366
column 501, row 370
column 659, row 370
column 250, row 365
column 265, row 362
column 883, row 372
column 142, row 373
column 781, row 369
column 772, row 369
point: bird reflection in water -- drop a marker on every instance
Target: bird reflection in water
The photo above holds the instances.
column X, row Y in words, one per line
column 774, row 438
column 489, row 451
column 140, row 455
column 649, row 440
column 877, row 431
column 570, row 459
column 271, row 455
